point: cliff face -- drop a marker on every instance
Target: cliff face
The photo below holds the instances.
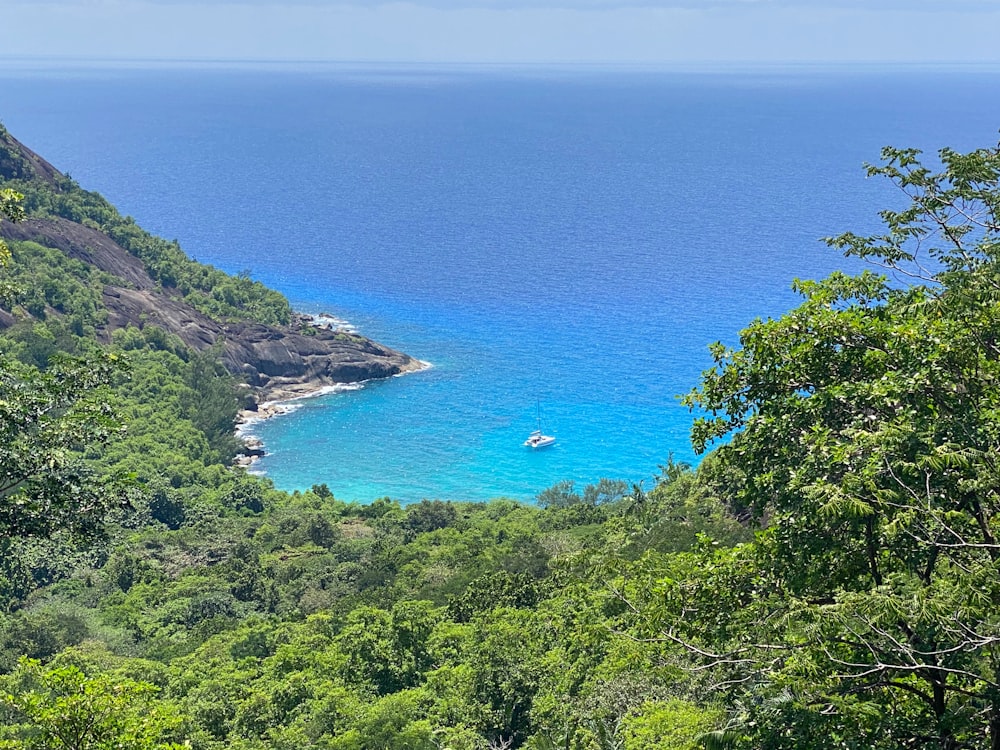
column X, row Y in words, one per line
column 275, row 360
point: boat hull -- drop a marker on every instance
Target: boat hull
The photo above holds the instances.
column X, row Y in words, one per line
column 539, row 441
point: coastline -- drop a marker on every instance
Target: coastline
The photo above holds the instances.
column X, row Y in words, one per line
column 281, row 400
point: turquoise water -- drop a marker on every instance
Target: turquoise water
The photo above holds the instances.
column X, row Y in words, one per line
column 572, row 239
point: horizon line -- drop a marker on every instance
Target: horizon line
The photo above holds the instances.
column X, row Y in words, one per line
column 637, row 65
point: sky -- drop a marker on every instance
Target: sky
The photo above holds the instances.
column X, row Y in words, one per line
column 646, row 32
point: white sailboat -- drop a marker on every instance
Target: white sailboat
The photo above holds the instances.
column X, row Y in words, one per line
column 536, row 439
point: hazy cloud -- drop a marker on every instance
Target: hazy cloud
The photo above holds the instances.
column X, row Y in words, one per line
column 500, row 31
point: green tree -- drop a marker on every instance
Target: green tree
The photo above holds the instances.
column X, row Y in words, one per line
column 214, row 402
column 866, row 427
column 670, row 725
column 46, row 420
column 61, row 708
column 11, row 209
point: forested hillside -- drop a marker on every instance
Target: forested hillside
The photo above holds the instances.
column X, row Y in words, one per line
column 826, row 578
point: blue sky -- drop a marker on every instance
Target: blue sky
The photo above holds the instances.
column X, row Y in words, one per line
column 508, row 31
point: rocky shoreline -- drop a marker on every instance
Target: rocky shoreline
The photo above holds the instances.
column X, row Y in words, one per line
column 279, row 396
column 285, row 403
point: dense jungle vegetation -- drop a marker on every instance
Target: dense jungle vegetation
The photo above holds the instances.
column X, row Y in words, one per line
column 826, row 578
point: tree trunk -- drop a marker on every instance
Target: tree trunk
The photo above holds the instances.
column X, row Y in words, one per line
column 994, row 727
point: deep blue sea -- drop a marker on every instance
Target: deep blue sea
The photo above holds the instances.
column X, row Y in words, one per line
column 569, row 240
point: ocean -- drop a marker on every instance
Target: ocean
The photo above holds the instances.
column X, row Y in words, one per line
column 560, row 244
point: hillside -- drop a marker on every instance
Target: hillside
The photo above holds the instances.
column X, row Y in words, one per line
column 276, row 353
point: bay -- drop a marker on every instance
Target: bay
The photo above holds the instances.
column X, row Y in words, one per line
column 569, row 239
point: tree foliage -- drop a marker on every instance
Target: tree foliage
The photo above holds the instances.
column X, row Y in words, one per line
column 865, row 425
column 12, row 210
column 61, row 708
column 47, row 420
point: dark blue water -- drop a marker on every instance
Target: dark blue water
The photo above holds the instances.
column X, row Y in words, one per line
column 572, row 239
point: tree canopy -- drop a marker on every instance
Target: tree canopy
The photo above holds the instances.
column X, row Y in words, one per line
column 865, row 426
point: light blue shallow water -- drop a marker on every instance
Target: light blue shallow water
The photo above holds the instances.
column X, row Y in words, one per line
column 568, row 238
